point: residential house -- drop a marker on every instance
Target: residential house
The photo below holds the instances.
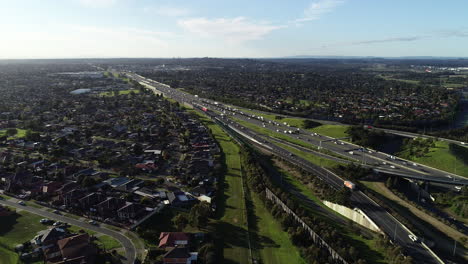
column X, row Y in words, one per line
column 173, row 239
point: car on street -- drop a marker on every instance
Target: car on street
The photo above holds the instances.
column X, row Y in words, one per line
column 22, row 203
column 92, row 222
column 413, row 238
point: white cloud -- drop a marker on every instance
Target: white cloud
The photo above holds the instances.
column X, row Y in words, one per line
column 232, row 30
column 168, row 11
column 97, row 3
column 67, row 41
column 318, row 8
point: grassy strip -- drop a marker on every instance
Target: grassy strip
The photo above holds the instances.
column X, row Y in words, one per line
column 441, row 158
column 444, row 244
column 122, row 92
column 289, row 139
column 273, row 244
column 16, row 229
column 233, row 223
column 382, row 189
column 310, row 157
column 108, row 242
column 364, row 244
column 335, row 131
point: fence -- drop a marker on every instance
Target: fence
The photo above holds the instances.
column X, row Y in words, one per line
column 315, row 237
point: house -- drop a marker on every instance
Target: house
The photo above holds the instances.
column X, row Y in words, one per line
column 173, row 239
column 108, row 207
column 179, row 255
column 202, row 190
column 179, row 199
column 51, row 187
column 70, row 199
column 90, row 200
column 74, row 249
column 130, row 211
column 49, row 237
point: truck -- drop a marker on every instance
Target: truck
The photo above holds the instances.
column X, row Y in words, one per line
column 350, row 185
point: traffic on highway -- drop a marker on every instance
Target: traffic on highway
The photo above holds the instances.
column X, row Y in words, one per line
column 395, row 230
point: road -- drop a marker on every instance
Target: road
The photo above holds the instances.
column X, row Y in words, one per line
column 130, row 250
column 382, row 161
column 392, row 227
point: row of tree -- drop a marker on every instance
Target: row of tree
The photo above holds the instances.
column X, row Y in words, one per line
column 258, row 180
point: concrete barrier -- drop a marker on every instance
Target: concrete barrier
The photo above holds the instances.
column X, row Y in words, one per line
column 356, row 215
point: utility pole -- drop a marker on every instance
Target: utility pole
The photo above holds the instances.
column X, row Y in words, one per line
column 454, row 247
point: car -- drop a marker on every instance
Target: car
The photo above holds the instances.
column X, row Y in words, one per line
column 413, row 238
column 45, row 221
column 56, row 212
column 393, row 167
column 21, row 203
column 58, row 223
column 92, row 222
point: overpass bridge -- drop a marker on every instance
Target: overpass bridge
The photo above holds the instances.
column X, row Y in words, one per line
column 422, row 177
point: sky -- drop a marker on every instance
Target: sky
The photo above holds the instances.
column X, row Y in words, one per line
column 234, row 28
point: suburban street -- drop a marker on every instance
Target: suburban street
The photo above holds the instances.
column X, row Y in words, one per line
column 127, row 244
column 391, row 226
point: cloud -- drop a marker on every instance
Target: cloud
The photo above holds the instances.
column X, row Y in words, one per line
column 169, row 11
column 232, row 30
column 453, row 33
column 65, row 41
column 97, row 3
column 386, row 40
column 318, row 8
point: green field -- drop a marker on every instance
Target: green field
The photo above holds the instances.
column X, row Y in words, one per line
column 16, row 229
column 273, row 244
column 365, row 245
column 107, row 242
column 122, row 92
column 336, row 131
column 21, row 133
column 441, row 158
column 388, row 78
column 233, row 223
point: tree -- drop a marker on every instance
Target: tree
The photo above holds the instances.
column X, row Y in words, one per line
column 199, row 214
column 137, row 149
column 11, row 132
column 180, row 221
column 32, row 136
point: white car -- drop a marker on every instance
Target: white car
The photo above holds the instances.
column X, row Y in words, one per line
column 413, row 238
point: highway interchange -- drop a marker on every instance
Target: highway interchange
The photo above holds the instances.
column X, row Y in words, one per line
column 395, row 230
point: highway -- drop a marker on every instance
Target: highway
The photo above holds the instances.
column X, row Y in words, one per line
column 127, row 244
column 396, row 231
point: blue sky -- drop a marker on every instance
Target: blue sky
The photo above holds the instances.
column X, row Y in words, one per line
column 240, row 28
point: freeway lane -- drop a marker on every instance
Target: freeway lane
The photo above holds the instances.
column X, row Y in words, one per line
column 130, row 250
column 383, row 219
column 352, row 151
column 389, row 225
